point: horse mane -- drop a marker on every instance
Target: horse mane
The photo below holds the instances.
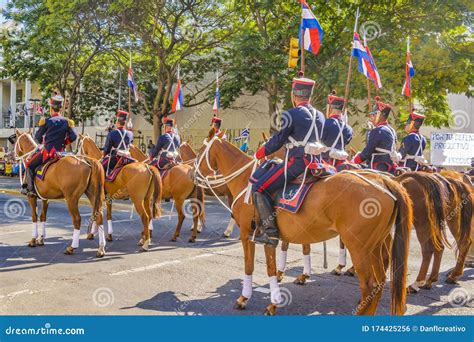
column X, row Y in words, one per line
column 234, row 149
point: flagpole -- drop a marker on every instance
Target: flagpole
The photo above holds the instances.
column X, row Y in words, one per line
column 130, row 89
column 406, row 66
column 217, row 87
column 368, row 82
column 302, row 52
column 346, row 92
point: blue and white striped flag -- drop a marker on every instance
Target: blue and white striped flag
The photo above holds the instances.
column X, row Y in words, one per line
column 244, row 134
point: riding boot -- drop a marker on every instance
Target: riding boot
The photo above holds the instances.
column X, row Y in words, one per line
column 29, row 189
column 268, row 229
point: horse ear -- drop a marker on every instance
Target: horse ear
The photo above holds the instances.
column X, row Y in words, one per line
column 17, row 132
column 221, row 134
column 30, row 131
column 265, row 138
column 212, row 132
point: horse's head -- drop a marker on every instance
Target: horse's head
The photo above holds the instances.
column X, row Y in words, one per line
column 206, row 163
column 24, row 143
column 88, row 147
column 186, row 151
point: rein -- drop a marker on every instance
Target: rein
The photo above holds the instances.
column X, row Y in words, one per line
column 206, row 182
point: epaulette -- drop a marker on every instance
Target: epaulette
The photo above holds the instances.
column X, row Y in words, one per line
column 42, row 121
column 71, row 123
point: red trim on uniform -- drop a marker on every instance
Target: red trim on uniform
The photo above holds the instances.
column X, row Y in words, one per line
column 28, row 162
column 260, row 153
column 303, row 103
column 357, row 159
column 384, row 123
column 273, row 177
column 335, row 116
column 414, row 130
column 56, row 114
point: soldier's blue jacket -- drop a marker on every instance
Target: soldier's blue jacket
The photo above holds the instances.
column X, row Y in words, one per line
column 411, row 147
column 168, row 141
column 382, row 136
column 295, row 123
column 55, row 132
column 330, row 134
column 114, row 140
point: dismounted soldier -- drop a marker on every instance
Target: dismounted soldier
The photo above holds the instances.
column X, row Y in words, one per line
column 380, row 151
column 336, row 134
column 300, row 128
column 117, row 143
column 414, row 143
column 167, row 146
column 54, row 133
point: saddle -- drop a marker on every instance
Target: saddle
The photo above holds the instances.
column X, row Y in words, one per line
column 42, row 168
column 121, row 162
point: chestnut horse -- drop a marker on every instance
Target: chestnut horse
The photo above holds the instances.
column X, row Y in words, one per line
column 68, row 178
column 368, row 236
column 179, row 185
column 137, row 181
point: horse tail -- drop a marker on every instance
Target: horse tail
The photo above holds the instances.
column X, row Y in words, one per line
column 434, row 198
column 464, row 200
column 157, row 187
column 200, row 198
column 96, row 187
column 399, row 253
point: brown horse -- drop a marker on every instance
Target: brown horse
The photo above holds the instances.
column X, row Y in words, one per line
column 179, row 185
column 137, row 181
column 368, row 236
column 68, row 178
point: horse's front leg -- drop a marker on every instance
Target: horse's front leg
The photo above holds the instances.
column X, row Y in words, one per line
column 275, row 294
column 42, row 224
column 301, row 279
column 342, row 259
column 110, row 229
column 282, row 260
column 34, row 219
column 249, row 256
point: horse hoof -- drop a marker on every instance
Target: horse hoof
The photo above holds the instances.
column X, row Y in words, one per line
column 336, row 272
column 301, row 279
column 32, row 243
column 280, row 276
column 225, row 236
column 100, row 252
column 146, row 246
column 192, row 240
column 40, row 241
column 173, row 239
column 90, row 236
column 411, row 289
column 140, row 242
column 69, row 250
column 426, row 286
column 451, row 281
column 241, row 303
column 109, row 238
column 349, row 273
column 270, row 310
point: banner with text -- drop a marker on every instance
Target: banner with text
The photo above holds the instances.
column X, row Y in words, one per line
column 452, row 149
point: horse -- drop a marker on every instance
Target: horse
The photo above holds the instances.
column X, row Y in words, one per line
column 137, row 181
column 179, row 185
column 68, row 178
column 368, row 236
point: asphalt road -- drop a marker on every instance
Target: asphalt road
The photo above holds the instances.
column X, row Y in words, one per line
column 179, row 278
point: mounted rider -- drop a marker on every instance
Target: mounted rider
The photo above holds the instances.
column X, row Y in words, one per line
column 54, row 133
column 414, row 143
column 216, row 123
column 167, row 146
column 300, row 129
column 380, row 151
column 336, row 133
column 117, row 143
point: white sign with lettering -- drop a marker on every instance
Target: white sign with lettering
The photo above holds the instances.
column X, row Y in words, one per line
column 452, row 149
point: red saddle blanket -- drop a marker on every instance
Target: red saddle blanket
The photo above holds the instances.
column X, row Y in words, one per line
column 121, row 162
column 41, row 170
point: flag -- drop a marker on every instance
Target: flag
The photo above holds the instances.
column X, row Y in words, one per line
column 217, row 101
column 244, row 134
column 366, row 62
column 310, row 30
column 131, row 83
column 409, row 73
column 178, row 98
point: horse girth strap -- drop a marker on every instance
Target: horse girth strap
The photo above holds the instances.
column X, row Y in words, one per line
column 375, row 185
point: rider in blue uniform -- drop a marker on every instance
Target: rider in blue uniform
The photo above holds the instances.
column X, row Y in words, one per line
column 54, row 133
column 167, row 146
column 301, row 125
column 414, row 143
column 117, row 142
column 380, row 151
column 336, row 133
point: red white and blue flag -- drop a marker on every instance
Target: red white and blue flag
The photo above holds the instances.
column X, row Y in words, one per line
column 409, row 73
column 366, row 62
column 217, row 96
column 178, row 98
column 311, row 33
column 131, row 83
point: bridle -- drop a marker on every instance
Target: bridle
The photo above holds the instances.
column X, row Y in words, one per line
column 208, row 183
column 17, row 149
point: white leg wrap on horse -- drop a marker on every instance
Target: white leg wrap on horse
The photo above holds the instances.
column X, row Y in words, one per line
column 110, row 229
column 275, row 294
column 247, row 288
column 150, row 226
column 75, row 238
column 42, row 228
column 342, row 256
column 230, row 227
column 282, row 261
column 94, row 228
column 34, row 230
column 307, row 264
column 101, row 236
